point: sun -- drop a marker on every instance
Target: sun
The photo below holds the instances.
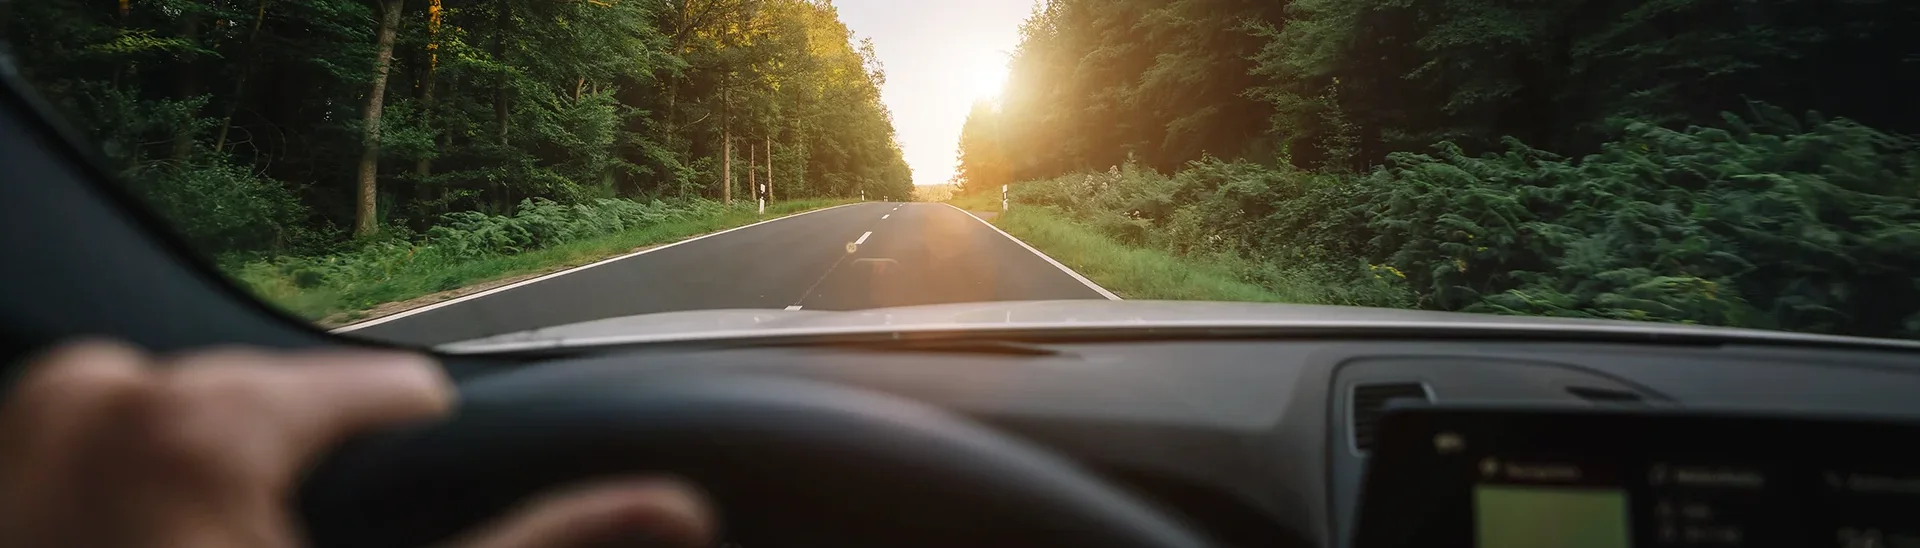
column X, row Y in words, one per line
column 987, row 80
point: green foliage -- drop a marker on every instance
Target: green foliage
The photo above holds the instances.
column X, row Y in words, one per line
column 471, row 247
column 983, row 165
column 1260, row 227
column 1561, row 157
column 1095, row 83
column 1765, row 222
column 1567, row 75
column 216, row 204
column 539, row 223
column 242, row 118
column 471, row 235
column 1760, row 221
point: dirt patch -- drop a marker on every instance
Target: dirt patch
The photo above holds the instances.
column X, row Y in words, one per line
column 388, row 309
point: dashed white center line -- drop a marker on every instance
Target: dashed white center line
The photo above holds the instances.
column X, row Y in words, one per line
column 863, row 238
column 792, row 308
column 884, row 217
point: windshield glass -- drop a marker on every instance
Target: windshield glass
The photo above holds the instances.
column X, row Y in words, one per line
column 433, row 171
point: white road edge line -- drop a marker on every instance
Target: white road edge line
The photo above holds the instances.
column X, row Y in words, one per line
column 794, row 307
column 884, row 217
column 863, row 238
column 1063, row 268
column 504, row 288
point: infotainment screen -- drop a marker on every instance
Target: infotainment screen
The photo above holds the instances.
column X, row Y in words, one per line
column 1527, row 516
column 1442, row 477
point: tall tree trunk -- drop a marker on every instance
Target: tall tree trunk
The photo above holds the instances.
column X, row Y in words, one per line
column 769, row 168
column 366, row 213
column 753, row 168
column 503, row 22
column 726, row 152
column 424, row 167
column 246, row 71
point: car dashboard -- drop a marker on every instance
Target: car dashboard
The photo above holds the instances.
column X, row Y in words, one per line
column 1266, row 442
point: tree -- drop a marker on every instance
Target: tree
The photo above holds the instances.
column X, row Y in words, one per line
column 1096, row 82
column 366, row 213
column 983, row 160
column 466, row 105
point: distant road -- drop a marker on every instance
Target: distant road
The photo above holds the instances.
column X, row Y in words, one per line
column 866, row 255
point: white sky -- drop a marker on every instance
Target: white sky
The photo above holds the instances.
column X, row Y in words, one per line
column 939, row 55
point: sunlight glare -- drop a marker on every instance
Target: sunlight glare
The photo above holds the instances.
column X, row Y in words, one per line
column 988, row 80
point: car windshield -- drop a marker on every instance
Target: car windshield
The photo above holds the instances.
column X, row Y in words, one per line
column 433, row 171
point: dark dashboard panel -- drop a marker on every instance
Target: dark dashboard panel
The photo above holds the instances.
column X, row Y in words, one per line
column 1449, row 378
column 1263, row 425
column 1513, row 477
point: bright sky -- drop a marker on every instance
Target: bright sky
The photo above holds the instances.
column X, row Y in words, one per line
column 940, row 55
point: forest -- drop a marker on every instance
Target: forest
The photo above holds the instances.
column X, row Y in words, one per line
column 299, row 127
column 1695, row 161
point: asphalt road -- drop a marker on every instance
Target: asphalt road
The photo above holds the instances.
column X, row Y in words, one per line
column 866, row 255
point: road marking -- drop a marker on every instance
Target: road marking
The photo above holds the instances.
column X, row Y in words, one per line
column 884, row 217
column 501, row 289
column 1063, row 268
column 792, row 308
column 863, row 238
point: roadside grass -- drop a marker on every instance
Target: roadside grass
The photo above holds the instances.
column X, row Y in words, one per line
column 982, row 201
column 339, row 300
column 1135, row 272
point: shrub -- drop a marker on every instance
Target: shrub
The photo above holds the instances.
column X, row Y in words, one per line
column 1762, row 221
column 1768, row 222
column 471, row 235
column 218, row 206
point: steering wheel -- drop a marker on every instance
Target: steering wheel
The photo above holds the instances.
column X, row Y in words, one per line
column 787, row 462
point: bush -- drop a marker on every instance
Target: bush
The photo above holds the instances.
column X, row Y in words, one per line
column 1283, row 230
column 1764, row 221
column 220, row 207
column 1768, row 222
column 539, row 223
column 470, row 235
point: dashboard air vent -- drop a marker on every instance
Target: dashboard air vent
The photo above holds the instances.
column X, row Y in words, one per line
column 1370, row 401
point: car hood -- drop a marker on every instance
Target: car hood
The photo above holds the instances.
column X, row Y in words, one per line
column 1112, row 318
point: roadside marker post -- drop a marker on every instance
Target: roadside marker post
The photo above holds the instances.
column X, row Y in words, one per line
column 1003, row 198
column 763, row 199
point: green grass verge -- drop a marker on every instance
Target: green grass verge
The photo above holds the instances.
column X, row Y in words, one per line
column 1144, row 273
column 337, row 302
column 984, row 201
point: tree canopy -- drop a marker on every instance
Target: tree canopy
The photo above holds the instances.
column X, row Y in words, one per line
column 1344, row 83
column 275, row 125
column 1698, row 161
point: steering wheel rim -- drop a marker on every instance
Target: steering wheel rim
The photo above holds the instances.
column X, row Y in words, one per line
column 784, row 460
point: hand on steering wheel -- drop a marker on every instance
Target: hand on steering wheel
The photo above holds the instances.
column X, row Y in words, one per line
column 107, row 446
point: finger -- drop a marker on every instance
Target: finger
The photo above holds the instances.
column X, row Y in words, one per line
column 667, row 513
column 68, row 388
column 48, row 419
column 296, row 405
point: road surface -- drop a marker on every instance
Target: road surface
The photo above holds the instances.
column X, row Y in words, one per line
column 865, row 255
